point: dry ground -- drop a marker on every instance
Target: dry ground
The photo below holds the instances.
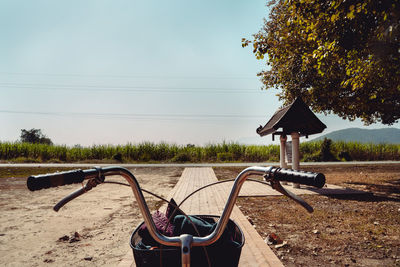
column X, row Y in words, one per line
column 32, row 234
column 355, row 230
column 343, row 230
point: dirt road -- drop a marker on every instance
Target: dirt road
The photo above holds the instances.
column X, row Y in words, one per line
column 92, row 230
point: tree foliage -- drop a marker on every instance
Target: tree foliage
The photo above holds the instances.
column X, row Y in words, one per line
column 34, row 136
column 340, row 56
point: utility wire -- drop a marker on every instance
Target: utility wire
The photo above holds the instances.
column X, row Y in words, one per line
column 137, row 116
column 142, row 89
column 217, row 77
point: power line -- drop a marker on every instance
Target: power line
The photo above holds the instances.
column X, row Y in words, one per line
column 137, row 115
column 118, row 86
column 97, row 88
column 236, row 77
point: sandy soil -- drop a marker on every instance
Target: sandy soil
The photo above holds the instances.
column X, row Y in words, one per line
column 352, row 230
column 93, row 230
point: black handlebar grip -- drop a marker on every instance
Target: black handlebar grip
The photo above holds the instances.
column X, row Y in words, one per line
column 300, row 177
column 37, row 182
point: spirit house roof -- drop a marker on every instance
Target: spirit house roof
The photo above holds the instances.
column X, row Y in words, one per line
column 296, row 117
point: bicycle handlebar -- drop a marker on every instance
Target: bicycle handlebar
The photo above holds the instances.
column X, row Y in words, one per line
column 299, row 177
column 54, row 179
column 77, row 176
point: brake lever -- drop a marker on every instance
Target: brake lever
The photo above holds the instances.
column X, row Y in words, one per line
column 88, row 186
column 69, row 197
column 278, row 187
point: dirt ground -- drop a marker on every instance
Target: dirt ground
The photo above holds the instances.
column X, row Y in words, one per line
column 355, row 230
column 343, row 230
column 92, row 230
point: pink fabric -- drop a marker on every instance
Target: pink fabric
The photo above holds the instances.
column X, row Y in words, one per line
column 160, row 220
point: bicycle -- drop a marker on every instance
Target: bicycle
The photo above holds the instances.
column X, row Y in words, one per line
column 185, row 241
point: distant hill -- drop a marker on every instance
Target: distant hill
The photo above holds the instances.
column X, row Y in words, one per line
column 376, row 136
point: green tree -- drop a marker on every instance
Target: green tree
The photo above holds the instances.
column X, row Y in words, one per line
column 326, row 153
column 340, row 56
column 34, row 136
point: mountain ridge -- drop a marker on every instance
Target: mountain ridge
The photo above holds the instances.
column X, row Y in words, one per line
column 376, row 136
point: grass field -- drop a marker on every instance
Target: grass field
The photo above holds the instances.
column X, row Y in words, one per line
column 164, row 152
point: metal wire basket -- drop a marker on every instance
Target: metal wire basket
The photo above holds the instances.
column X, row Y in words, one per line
column 218, row 254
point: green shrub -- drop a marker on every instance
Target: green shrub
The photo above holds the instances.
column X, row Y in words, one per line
column 344, row 156
column 225, row 156
column 118, row 157
column 326, row 153
column 145, row 157
column 314, row 157
column 182, row 157
column 26, row 160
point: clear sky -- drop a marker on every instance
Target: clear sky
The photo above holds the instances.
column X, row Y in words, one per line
column 118, row 71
